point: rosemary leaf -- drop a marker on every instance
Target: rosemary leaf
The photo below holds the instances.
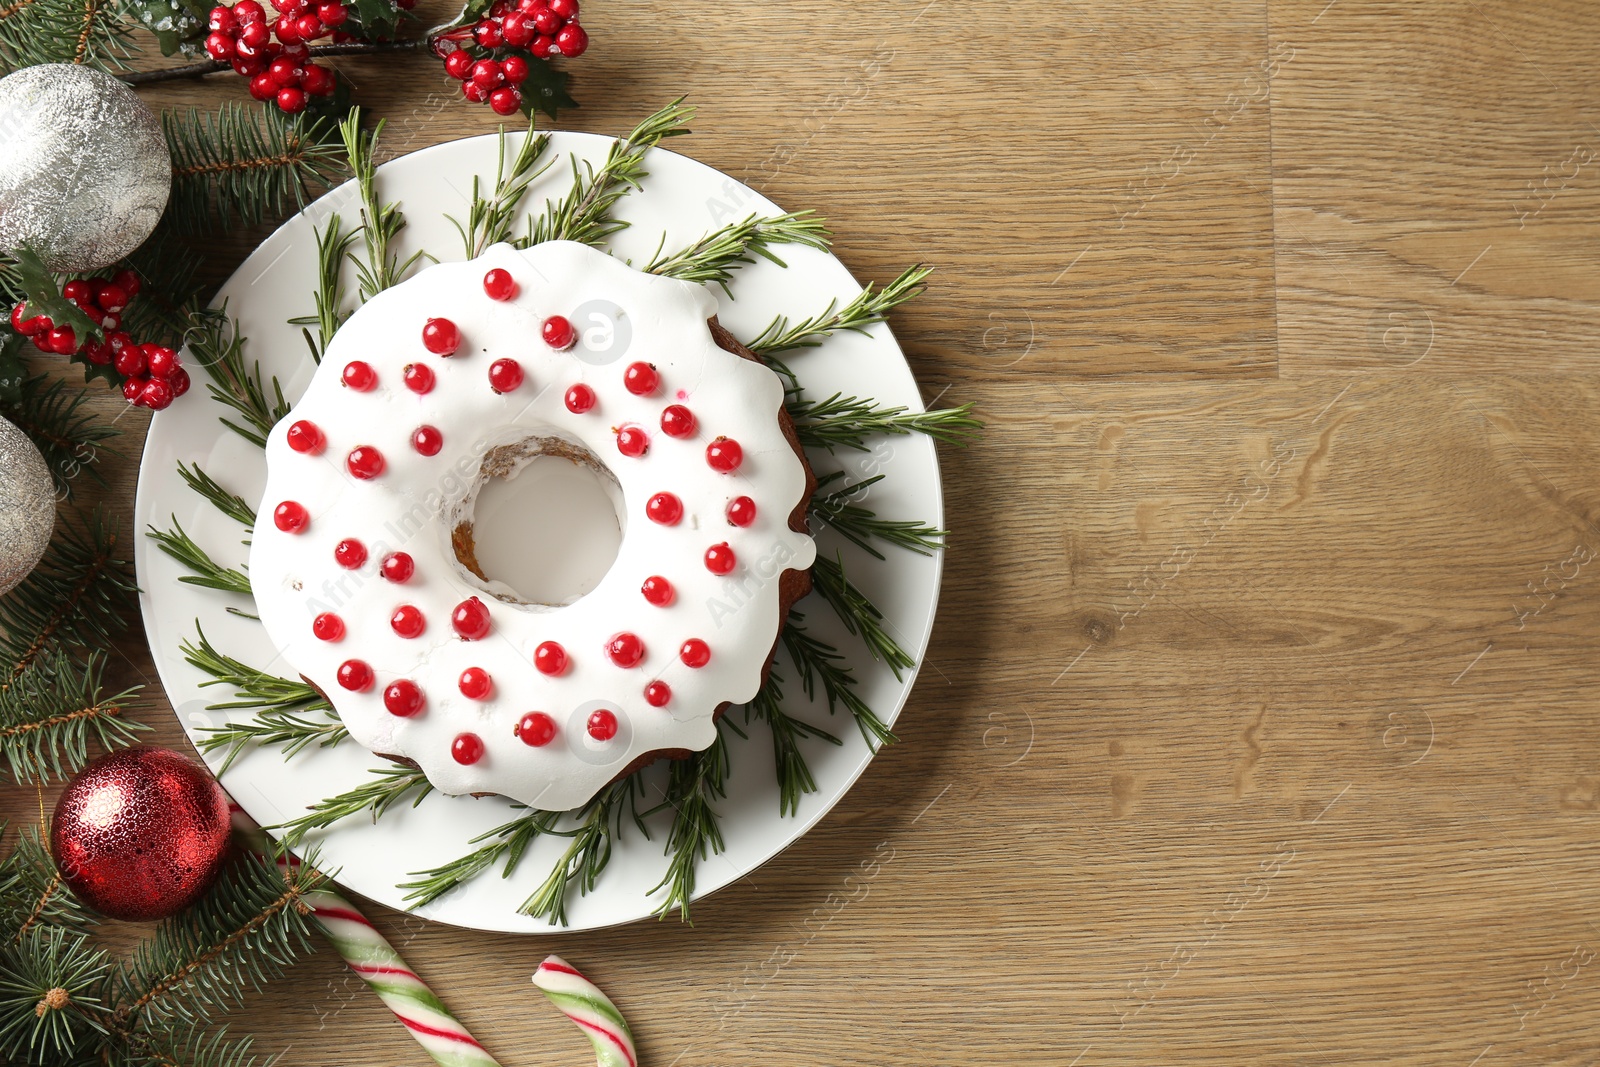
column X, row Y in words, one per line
column 269, row 727
column 380, row 223
column 693, row 785
column 490, row 218
column 256, row 688
column 794, row 774
column 819, row 661
column 391, row 786
column 859, row 615
column 216, row 344
column 861, row 525
column 230, row 504
column 509, row 841
column 581, row 865
column 208, row 573
column 868, row 309
column 333, row 248
column 714, row 257
column 847, row 421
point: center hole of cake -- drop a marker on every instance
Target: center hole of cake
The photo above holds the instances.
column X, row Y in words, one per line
column 546, row 531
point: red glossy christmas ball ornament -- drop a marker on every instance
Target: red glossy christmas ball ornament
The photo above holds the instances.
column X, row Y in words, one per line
column 140, row 834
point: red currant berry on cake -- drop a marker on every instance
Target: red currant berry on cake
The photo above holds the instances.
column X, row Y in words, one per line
column 603, row 724
column 466, row 749
column 724, row 455
column 407, row 621
column 580, row 398
column 665, row 509
column 641, row 379
column 441, row 337
column 360, row 376
column 505, row 375
column 695, row 653
column 678, row 421
column 720, row 559
column 398, row 567
column 355, row 675
column 427, row 441
column 403, row 698
column 350, row 553
column 291, row 516
column 658, row 591
column 419, row 378
column 475, row 683
column 625, row 650
column 471, row 619
column 536, row 729
column 558, row 333
column 328, row 627
column 741, row 511
column 550, row 658
column 306, row 437
column 657, row 694
column 499, row 284
column 364, row 462
column 632, row 441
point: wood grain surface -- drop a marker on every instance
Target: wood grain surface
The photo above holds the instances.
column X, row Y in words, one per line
column 1259, row 725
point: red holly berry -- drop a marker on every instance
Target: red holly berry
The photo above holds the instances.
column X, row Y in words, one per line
column 580, row 398
column 458, row 64
column 505, row 100
column 499, row 284
column 466, row 749
column 566, row 9
column 355, row 675
column 398, row 567
column 262, row 87
column 222, row 20
column 63, row 340
column 427, row 441
column 161, row 361
column 319, row 81
column 407, row 621
column 474, row 92
column 658, row 591
column 179, row 380
column 515, row 67
column 220, row 46
column 441, row 337
column 536, row 729
column 632, row 441
column 487, row 73
column 128, row 282
column 559, row 333
column 547, row 22
column 741, row 511
column 720, row 558
column 285, row 72
column 625, row 649
column 364, row 462
column 657, row 694
column 695, row 653
column 572, row 40
column 132, row 387
column 475, row 683
column 98, row 352
column 724, row 455
column 156, row 394
column 328, row 627
column 550, row 658
column 641, row 379
column 664, row 508
column 291, row 516
column 350, row 553
column 678, row 421
column 360, row 376
column 602, row 724
column 471, row 619
column 306, row 437
column 419, row 378
column 403, row 698
column 488, row 35
column 505, row 375
column 543, row 45
column 291, row 101
column 130, row 361
column 517, row 29
column 332, row 14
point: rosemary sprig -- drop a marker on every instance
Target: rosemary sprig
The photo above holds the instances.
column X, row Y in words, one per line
column 794, row 774
column 391, row 786
column 292, row 732
column 868, row 309
column 230, row 504
column 490, row 218
column 599, row 821
column 693, row 785
column 380, row 223
column 861, row 525
column 216, row 344
column 859, row 615
column 333, row 248
column 509, row 841
column 847, row 421
column 714, row 257
column 256, row 688
column 819, row 661
column 584, row 214
column 208, row 573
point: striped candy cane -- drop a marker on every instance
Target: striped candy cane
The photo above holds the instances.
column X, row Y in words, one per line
column 581, row 1001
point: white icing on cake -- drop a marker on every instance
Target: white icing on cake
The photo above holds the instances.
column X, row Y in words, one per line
column 412, row 505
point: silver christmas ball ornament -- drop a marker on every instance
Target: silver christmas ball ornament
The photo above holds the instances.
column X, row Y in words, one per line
column 84, row 168
column 27, row 505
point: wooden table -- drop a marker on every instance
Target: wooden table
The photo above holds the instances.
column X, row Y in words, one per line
column 1260, row 722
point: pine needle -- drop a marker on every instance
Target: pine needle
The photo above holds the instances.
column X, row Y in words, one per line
column 47, row 959
column 381, row 223
column 377, row 796
column 861, row 526
column 208, row 574
column 818, row 661
column 216, row 344
column 859, row 615
column 490, row 219
column 847, row 421
column 34, row 894
column 794, row 774
column 714, row 257
column 91, row 32
column 52, row 716
column 70, row 438
column 693, row 787
column 508, row 842
column 868, row 309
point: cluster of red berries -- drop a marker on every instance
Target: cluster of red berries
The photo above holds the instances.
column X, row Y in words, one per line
column 281, row 70
column 152, row 375
column 543, row 28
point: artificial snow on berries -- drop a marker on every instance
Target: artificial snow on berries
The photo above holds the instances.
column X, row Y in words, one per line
column 490, row 57
column 280, row 71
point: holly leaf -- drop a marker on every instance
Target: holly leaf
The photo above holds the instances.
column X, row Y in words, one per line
column 546, row 87
column 42, row 292
column 177, row 24
column 375, row 19
column 12, row 369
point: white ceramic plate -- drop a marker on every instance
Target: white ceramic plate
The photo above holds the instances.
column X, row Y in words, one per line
column 682, row 199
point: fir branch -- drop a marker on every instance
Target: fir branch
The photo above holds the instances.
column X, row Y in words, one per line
column 216, row 344
column 584, row 214
column 77, row 596
column 169, row 295
column 861, row 525
column 90, row 32
column 333, row 247
column 714, row 257
column 818, row 661
column 585, row 859
column 70, row 439
column 847, row 421
column 255, row 688
column 200, row 68
column 208, row 573
column 490, row 218
column 244, row 163
column 34, row 894
column 380, row 223
column 693, row 787
column 508, row 842
column 230, row 504
column 868, row 309
column 391, row 786
column 794, row 774
column 51, row 715
column 52, row 990
column 859, row 615
column 198, row 1048
column 241, row 934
